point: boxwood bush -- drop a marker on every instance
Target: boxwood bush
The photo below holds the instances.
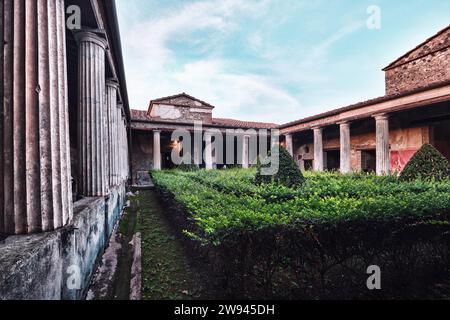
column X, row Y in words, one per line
column 316, row 240
column 428, row 164
column 287, row 174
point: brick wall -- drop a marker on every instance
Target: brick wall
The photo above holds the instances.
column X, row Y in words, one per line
column 426, row 65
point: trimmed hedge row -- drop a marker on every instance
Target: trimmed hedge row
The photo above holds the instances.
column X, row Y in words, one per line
column 319, row 242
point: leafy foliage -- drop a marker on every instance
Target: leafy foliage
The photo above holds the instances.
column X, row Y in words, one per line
column 288, row 173
column 428, row 164
column 273, row 241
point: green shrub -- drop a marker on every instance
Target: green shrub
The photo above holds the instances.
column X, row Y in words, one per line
column 317, row 240
column 288, row 173
column 188, row 167
column 427, row 164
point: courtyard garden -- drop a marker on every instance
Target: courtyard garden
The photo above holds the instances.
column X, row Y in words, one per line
column 313, row 237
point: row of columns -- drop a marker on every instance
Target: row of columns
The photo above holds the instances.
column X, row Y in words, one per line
column 102, row 128
column 383, row 160
column 208, row 153
column 35, row 173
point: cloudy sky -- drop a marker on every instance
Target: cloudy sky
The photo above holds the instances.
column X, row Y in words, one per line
column 268, row 60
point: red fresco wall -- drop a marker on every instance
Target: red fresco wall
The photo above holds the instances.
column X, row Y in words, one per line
column 399, row 159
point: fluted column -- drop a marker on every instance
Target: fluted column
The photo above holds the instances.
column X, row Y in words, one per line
column 91, row 107
column 208, row 151
column 383, row 155
column 344, row 128
column 157, row 150
column 318, row 149
column 123, row 173
column 289, row 144
column 35, row 155
column 111, row 107
column 2, row 44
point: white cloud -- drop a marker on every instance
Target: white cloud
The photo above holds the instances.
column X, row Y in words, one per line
column 153, row 69
column 153, row 72
column 246, row 96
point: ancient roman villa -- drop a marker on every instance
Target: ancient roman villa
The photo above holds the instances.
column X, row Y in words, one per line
column 73, row 151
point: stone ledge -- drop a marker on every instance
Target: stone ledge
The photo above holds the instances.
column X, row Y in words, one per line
column 35, row 267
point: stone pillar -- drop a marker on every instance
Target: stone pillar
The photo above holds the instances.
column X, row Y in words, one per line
column 208, row 151
column 289, row 144
column 157, row 150
column 245, row 151
column 111, row 108
column 35, row 155
column 345, row 147
column 383, row 153
column 91, row 92
column 318, row 150
column 116, row 145
column 2, row 45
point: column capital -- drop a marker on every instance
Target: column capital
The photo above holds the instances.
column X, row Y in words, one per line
column 317, row 128
column 343, row 123
column 93, row 36
column 156, row 131
column 381, row 116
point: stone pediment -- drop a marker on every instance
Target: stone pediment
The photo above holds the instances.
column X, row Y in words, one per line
column 181, row 108
column 182, row 100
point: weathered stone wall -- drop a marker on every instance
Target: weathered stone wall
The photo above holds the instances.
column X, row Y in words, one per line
column 426, row 65
column 38, row 267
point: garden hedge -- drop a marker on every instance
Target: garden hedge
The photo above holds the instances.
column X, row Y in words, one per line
column 315, row 241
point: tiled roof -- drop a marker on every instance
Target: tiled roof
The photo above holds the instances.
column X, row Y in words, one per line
column 385, row 98
column 140, row 115
column 243, row 124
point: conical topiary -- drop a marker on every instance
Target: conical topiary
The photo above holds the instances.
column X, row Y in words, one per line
column 288, row 173
column 428, row 164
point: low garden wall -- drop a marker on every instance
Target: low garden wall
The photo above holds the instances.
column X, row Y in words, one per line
column 59, row 265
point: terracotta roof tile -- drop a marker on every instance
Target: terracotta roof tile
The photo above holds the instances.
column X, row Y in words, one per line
column 243, row 124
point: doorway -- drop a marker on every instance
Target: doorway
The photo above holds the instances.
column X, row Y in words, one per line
column 368, row 161
column 333, row 160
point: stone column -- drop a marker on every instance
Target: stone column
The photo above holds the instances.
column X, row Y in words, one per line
column 35, row 161
column 208, row 151
column 111, row 108
column 383, row 160
column 245, row 151
column 289, row 144
column 2, row 45
column 116, row 145
column 91, row 92
column 318, row 149
column 157, row 150
column 345, row 147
